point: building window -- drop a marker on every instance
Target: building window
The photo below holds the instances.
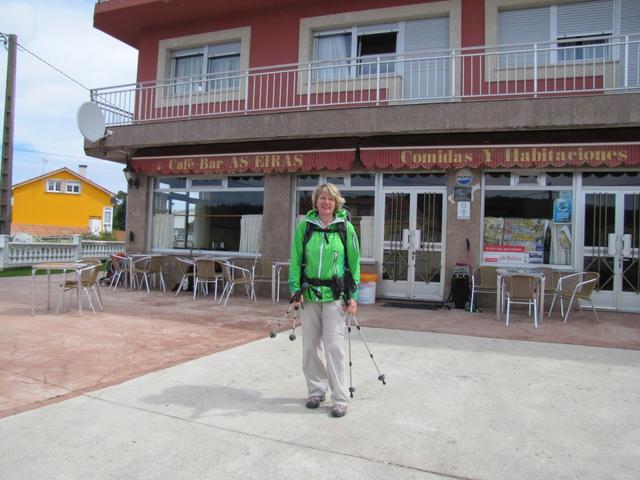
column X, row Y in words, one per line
column 372, row 46
column 529, row 220
column 72, row 187
column 54, row 186
column 210, row 68
column 107, row 219
column 565, row 33
column 219, row 214
column 359, row 192
column 337, row 52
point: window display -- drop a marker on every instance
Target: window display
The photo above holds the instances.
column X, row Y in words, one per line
column 532, row 226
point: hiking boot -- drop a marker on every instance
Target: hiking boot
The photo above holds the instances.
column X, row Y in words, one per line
column 339, row 411
column 314, row 402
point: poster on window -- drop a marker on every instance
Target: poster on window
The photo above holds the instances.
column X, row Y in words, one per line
column 562, row 208
column 514, row 240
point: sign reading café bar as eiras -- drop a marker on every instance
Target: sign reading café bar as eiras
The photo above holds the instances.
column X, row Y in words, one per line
column 245, row 163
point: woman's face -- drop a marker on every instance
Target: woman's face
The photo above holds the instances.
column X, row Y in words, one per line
column 325, row 204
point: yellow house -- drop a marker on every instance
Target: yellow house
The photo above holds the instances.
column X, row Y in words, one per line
column 61, row 202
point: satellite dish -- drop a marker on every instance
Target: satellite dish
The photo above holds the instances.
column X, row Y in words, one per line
column 91, row 122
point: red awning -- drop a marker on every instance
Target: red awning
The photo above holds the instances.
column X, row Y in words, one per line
column 539, row 156
column 272, row 162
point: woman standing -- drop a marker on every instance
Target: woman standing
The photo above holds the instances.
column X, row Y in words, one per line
column 325, row 269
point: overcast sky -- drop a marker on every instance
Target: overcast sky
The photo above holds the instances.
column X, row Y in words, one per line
column 46, row 135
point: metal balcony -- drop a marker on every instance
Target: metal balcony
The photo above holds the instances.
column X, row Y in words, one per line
column 597, row 65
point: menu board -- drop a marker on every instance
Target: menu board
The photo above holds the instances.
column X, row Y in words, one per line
column 514, row 240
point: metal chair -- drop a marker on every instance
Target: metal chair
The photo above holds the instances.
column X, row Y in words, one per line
column 577, row 286
column 521, row 289
column 234, row 275
column 150, row 266
column 86, row 280
column 549, row 281
column 483, row 280
column 120, row 270
column 187, row 269
column 206, row 273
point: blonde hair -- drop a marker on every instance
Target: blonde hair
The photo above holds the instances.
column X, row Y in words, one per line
column 328, row 189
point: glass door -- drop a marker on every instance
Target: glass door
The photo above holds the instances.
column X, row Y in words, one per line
column 412, row 246
column 611, row 247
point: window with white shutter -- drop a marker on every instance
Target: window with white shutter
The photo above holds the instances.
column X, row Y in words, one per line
column 571, row 25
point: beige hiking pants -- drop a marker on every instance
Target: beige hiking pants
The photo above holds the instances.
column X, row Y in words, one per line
column 323, row 328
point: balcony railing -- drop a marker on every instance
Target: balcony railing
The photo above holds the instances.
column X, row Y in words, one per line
column 596, row 65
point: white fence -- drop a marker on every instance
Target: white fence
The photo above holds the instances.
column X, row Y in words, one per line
column 602, row 64
column 17, row 254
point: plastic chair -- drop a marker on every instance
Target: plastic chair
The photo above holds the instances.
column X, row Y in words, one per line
column 233, row 276
column 207, row 273
column 577, row 286
column 187, row 269
column 521, row 289
column 483, row 280
column 147, row 267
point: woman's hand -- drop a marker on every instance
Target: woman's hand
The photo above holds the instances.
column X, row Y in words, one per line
column 352, row 307
column 298, row 303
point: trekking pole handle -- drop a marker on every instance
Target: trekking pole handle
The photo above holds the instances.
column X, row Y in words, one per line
column 296, row 298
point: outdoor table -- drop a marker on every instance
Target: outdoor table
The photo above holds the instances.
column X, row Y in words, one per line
column 64, row 266
column 276, row 271
column 536, row 273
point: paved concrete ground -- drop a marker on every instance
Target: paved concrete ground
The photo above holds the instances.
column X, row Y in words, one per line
column 199, row 392
column 454, row 407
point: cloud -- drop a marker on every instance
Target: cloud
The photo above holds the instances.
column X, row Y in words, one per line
column 61, row 33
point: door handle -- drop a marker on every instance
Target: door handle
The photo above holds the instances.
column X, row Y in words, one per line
column 417, row 240
column 406, row 235
column 626, row 245
column 612, row 247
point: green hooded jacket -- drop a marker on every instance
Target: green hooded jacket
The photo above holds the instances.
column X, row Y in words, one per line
column 324, row 255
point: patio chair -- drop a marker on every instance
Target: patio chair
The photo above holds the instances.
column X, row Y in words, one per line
column 206, row 273
column 483, row 280
column 234, row 275
column 521, row 289
column 120, row 265
column 149, row 267
column 549, row 281
column 577, row 286
column 187, row 269
column 261, row 269
column 86, row 280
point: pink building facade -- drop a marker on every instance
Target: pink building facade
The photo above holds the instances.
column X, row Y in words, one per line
column 512, row 124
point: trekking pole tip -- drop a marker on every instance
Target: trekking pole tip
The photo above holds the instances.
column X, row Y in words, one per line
column 382, row 379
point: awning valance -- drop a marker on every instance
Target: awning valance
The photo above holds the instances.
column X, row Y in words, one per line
column 538, row 156
column 271, row 162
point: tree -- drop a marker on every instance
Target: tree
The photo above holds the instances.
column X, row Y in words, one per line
column 120, row 211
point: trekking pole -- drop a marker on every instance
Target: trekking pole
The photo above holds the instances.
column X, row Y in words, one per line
column 351, row 389
column 294, row 320
column 381, row 375
column 294, row 298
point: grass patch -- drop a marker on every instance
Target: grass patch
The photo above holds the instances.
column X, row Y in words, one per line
column 26, row 272
column 22, row 272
